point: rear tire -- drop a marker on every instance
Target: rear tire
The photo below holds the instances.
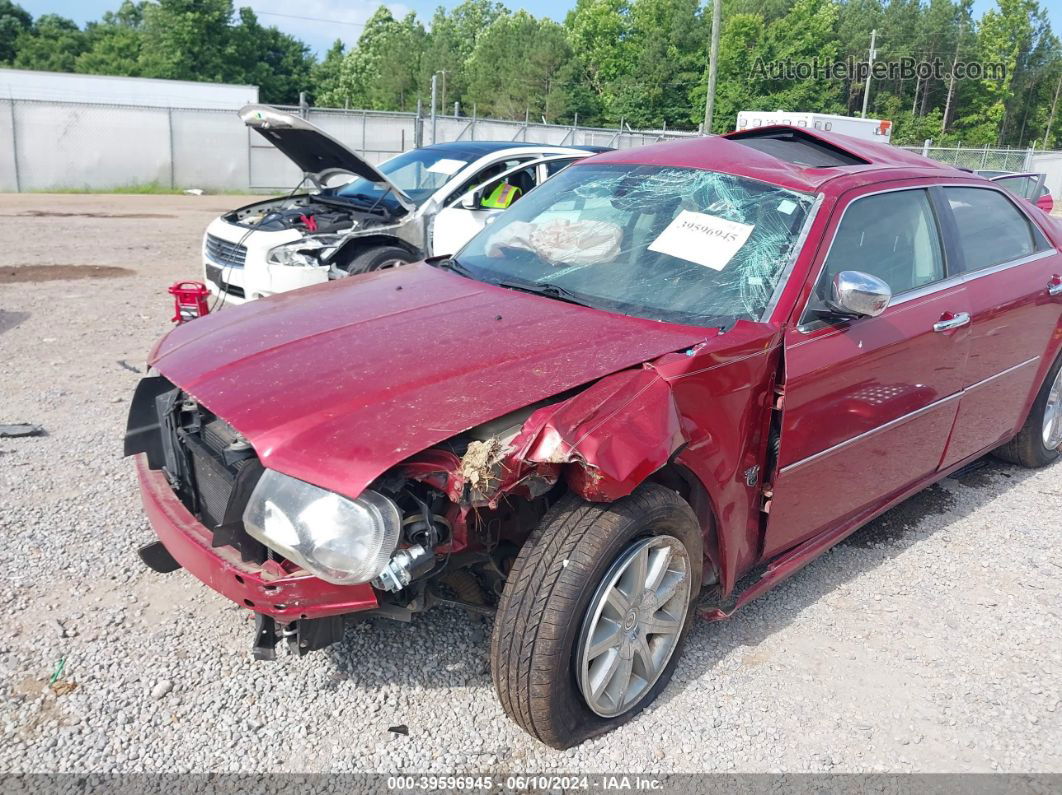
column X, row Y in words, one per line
column 376, row 259
column 1037, row 443
column 551, row 606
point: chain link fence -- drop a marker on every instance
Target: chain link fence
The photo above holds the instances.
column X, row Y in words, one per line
column 977, row 159
column 50, row 145
column 1047, row 162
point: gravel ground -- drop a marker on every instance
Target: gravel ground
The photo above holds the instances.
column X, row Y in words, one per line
column 929, row 641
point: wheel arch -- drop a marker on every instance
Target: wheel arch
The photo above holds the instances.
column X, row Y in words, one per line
column 687, row 485
column 1046, row 366
column 362, row 243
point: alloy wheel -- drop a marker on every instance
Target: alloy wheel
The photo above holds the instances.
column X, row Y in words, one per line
column 633, row 624
column 1052, row 428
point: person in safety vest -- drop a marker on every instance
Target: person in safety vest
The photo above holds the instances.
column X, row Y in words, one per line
column 501, row 197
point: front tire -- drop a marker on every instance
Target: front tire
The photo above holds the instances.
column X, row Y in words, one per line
column 1037, row 443
column 377, row 259
column 594, row 613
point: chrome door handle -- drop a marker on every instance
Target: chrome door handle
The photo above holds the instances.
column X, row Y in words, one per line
column 1054, row 288
column 957, row 321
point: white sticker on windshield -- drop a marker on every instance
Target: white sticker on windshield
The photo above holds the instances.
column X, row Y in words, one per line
column 786, row 206
column 447, row 166
column 705, row 239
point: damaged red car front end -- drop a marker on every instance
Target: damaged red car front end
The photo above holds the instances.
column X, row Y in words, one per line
column 339, row 402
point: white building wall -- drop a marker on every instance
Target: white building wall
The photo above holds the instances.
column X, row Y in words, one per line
column 1049, row 163
column 141, row 91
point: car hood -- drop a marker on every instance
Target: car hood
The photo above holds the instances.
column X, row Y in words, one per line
column 313, row 150
column 335, row 384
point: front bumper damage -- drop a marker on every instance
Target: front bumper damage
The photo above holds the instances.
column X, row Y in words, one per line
column 303, row 608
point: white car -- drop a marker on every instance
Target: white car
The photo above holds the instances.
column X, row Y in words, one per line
column 356, row 217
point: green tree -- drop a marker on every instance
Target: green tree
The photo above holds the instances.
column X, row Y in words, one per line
column 749, row 46
column 325, row 75
column 522, row 65
column 114, row 43
column 187, row 40
column 742, row 44
column 666, row 49
column 13, row 20
column 279, row 64
column 398, row 66
column 600, row 34
column 449, row 46
column 52, row 44
column 353, row 86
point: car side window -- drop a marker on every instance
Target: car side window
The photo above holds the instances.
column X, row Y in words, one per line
column 500, row 194
column 893, row 236
column 991, row 229
column 1024, row 186
column 484, row 174
column 553, row 166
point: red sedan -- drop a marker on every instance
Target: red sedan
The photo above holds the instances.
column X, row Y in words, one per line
column 655, row 387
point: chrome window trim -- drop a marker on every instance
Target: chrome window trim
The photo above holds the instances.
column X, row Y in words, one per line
column 949, row 281
column 798, row 247
column 927, row 290
column 904, row 418
column 1003, row 266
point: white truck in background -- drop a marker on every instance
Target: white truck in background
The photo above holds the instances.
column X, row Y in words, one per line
column 877, row 130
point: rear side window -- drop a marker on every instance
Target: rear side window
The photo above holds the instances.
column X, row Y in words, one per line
column 991, row 229
column 1026, row 187
column 892, row 236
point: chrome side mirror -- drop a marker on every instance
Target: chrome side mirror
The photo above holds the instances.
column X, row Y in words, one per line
column 859, row 294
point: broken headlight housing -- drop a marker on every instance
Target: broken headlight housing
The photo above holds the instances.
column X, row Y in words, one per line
column 308, row 253
column 340, row 540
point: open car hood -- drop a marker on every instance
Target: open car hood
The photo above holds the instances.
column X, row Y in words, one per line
column 337, row 383
column 314, row 151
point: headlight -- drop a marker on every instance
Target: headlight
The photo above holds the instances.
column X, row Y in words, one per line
column 306, row 253
column 340, row 540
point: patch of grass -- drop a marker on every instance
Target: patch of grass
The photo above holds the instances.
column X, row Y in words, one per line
column 144, row 188
column 135, row 187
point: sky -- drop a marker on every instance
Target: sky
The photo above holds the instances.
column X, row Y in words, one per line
column 320, row 22
column 316, row 22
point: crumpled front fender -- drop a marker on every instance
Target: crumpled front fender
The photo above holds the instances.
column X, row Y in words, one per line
column 604, row 442
column 611, row 436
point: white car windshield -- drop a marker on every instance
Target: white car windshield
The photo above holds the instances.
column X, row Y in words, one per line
column 677, row 244
column 418, row 173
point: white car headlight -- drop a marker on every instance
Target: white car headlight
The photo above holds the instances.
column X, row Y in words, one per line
column 340, row 540
column 307, row 253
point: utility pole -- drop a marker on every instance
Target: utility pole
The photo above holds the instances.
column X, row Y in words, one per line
column 870, row 70
column 1051, row 118
column 713, row 64
column 442, row 103
column 434, row 78
column 951, row 82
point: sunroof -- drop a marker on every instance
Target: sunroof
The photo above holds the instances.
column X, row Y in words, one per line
column 797, row 147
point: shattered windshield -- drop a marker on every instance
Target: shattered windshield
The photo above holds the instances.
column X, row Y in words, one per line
column 676, row 244
column 418, row 173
